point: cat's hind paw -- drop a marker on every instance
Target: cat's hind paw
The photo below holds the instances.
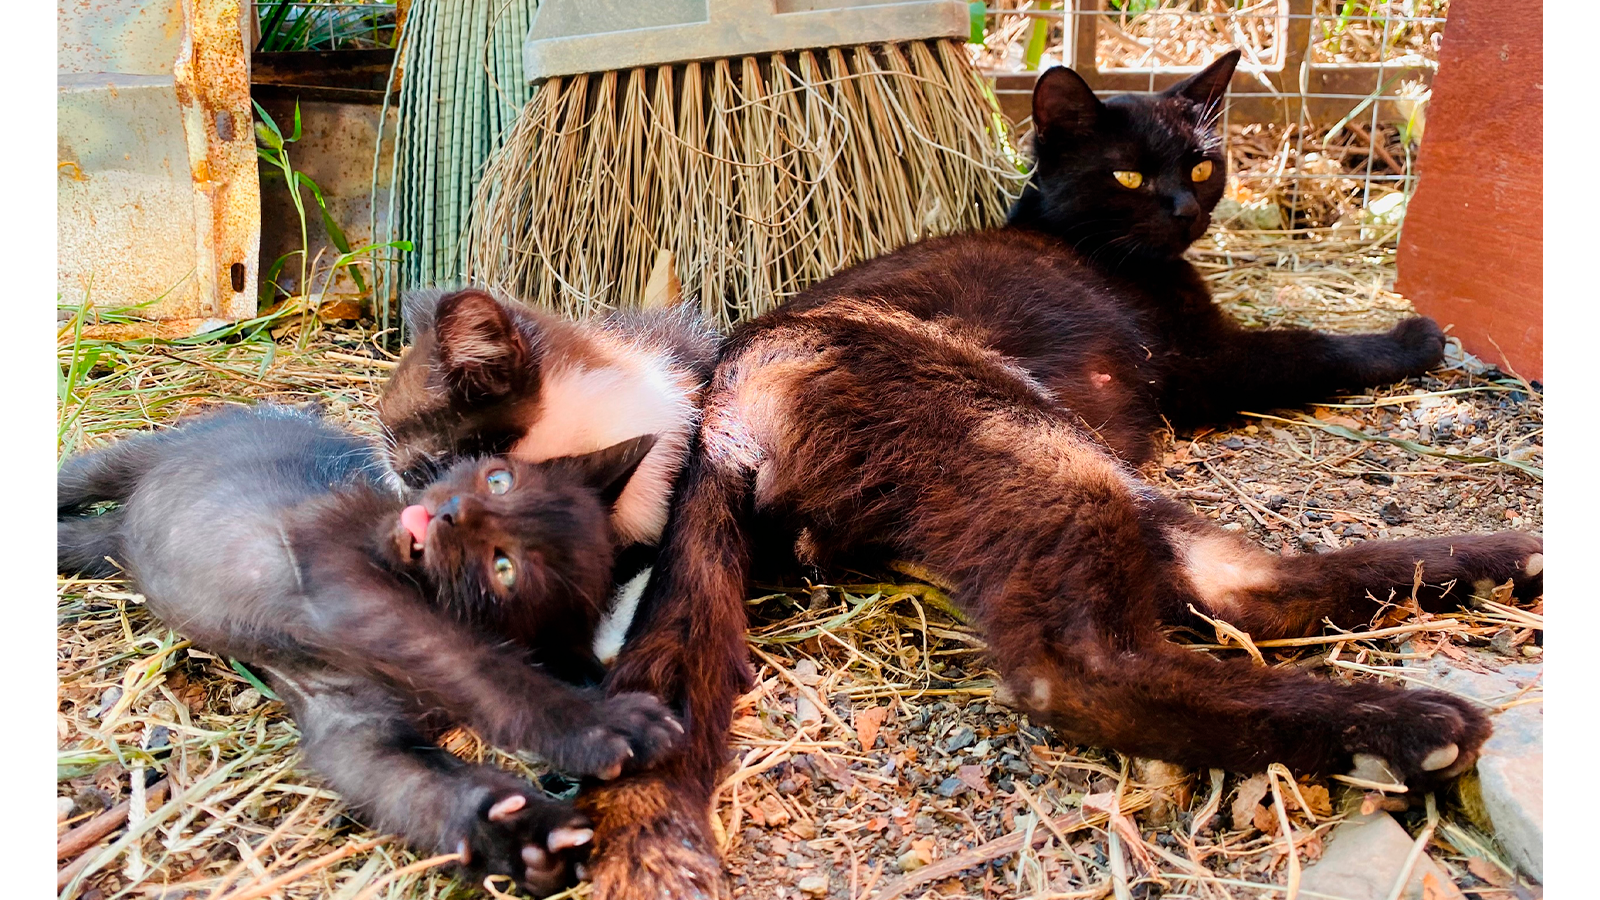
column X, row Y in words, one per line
column 535, row 841
column 1425, row 737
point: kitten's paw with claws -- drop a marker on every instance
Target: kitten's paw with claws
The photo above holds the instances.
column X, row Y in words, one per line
column 537, row 842
column 1420, row 342
column 1423, row 737
column 629, row 731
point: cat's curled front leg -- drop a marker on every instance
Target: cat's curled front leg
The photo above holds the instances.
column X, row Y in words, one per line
column 593, row 734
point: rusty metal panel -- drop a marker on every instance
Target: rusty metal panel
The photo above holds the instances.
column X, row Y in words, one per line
column 128, row 38
column 156, row 178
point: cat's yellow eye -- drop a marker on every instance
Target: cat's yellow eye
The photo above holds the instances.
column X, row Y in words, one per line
column 504, row 571
column 499, row 481
column 1129, row 180
column 1201, row 170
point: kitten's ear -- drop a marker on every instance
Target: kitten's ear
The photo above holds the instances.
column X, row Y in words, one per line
column 608, row 470
column 1063, row 102
column 417, row 308
column 482, row 355
column 1207, row 86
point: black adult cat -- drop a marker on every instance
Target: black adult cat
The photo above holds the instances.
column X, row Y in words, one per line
column 976, row 403
column 265, row 534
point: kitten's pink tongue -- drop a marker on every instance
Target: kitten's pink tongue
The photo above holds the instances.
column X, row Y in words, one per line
column 415, row 519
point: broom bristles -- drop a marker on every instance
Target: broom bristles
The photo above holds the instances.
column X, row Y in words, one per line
column 760, row 175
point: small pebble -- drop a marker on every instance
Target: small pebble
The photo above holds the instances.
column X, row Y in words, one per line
column 63, row 808
column 910, row 861
column 960, row 740
column 814, row 885
column 245, row 700
column 107, row 700
column 950, row 787
column 806, row 712
column 805, row 672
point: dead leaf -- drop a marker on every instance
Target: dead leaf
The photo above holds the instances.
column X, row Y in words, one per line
column 772, row 810
column 867, row 722
column 972, row 777
column 1333, row 418
column 834, row 771
column 1248, row 800
column 923, row 848
column 1264, row 820
column 1488, row 871
column 1435, row 887
column 1316, row 797
column 1107, row 803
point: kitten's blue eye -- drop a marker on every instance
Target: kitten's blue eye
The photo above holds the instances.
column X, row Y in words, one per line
column 504, row 571
column 499, row 481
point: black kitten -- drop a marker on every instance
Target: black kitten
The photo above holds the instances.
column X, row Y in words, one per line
column 267, row 535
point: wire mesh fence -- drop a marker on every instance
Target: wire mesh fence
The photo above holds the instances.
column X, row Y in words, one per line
column 1325, row 114
column 287, row 25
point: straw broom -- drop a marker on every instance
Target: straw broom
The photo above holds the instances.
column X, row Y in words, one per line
column 759, row 174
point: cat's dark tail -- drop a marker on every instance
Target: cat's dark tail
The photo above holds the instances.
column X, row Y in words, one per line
column 85, row 541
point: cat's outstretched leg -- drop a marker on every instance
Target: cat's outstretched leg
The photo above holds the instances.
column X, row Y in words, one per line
column 1217, row 372
column 87, row 545
column 1071, row 611
column 1269, row 596
column 360, row 738
column 1156, row 699
column 652, row 830
column 488, row 686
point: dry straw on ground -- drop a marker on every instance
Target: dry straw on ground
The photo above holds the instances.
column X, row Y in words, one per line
column 871, row 754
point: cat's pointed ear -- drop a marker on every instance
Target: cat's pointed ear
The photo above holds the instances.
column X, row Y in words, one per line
column 1063, row 103
column 608, row 470
column 417, row 307
column 1208, row 86
column 482, row 354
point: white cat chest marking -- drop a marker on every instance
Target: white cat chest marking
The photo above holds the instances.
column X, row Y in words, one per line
column 613, row 628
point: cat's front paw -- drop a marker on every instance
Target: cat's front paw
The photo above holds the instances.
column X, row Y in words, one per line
column 1420, row 344
column 1419, row 737
column 536, row 841
column 630, row 730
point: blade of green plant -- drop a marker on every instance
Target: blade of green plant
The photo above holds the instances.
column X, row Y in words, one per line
column 272, row 137
column 296, row 136
column 250, row 676
column 1411, row 446
column 272, row 22
column 978, row 15
column 1036, row 44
